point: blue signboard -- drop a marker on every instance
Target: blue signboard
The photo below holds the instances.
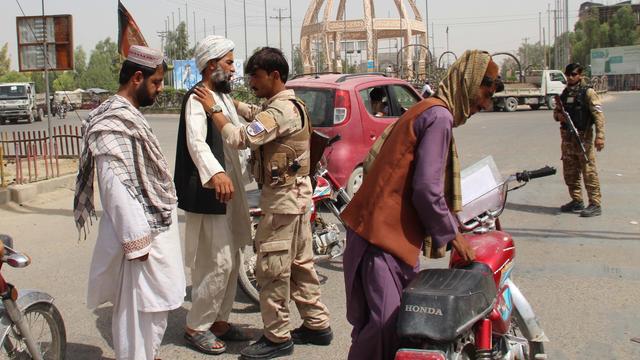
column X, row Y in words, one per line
column 185, row 74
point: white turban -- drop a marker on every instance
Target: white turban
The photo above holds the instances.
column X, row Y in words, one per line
column 212, row 47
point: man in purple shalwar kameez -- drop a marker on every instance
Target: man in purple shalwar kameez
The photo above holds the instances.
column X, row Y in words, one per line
column 375, row 270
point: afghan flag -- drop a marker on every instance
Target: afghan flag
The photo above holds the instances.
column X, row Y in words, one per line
column 128, row 31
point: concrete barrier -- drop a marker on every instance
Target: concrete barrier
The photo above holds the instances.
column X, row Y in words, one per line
column 23, row 193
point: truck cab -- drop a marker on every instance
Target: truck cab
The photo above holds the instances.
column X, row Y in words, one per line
column 18, row 102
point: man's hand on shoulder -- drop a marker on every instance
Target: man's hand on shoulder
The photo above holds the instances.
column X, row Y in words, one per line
column 223, row 186
column 205, row 97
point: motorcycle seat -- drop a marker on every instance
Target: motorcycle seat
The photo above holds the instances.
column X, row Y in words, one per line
column 441, row 304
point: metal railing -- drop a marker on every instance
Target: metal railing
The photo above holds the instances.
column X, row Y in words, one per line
column 34, row 150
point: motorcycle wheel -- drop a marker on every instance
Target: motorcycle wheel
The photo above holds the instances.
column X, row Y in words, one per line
column 517, row 324
column 247, row 274
column 47, row 328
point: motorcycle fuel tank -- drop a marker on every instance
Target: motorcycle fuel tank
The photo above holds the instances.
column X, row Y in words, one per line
column 496, row 249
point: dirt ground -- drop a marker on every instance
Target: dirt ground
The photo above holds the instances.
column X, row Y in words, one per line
column 30, row 168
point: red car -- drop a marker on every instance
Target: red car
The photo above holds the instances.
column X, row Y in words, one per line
column 358, row 107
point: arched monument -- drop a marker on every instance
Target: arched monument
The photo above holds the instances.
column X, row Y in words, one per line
column 330, row 32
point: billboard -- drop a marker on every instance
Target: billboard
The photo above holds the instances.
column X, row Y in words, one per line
column 31, row 32
column 185, row 74
column 619, row 60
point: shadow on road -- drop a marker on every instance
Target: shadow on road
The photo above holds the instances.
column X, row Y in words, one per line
column 535, row 209
column 574, row 234
column 82, row 351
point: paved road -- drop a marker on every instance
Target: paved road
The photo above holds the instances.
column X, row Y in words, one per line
column 580, row 275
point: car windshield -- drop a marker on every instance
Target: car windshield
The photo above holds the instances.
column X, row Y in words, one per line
column 319, row 104
column 13, row 92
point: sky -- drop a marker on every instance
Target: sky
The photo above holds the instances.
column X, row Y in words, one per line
column 496, row 25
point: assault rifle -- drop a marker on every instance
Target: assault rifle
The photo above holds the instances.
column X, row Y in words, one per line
column 571, row 127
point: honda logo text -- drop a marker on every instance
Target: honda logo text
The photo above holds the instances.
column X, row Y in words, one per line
column 423, row 310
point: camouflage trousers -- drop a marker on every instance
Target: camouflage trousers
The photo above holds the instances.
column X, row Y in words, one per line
column 575, row 168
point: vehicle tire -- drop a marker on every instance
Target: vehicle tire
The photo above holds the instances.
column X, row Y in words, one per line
column 534, row 106
column 355, row 181
column 551, row 102
column 511, row 104
column 517, row 326
column 47, row 327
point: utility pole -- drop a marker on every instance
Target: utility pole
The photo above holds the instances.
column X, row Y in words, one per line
column 204, row 28
column 426, row 32
column 195, row 34
column 291, row 34
column 566, row 30
column 279, row 18
column 266, row 27
column 173, row 21
column 186, row 21
column 540, row 27
column 246, row 51
column 225, row 18
column 526, row 39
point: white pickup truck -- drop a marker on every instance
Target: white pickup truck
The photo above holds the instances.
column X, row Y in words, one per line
column 18, row 102
column 538, row 89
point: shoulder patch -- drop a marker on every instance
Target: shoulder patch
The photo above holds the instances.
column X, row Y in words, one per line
column 268, row 120
column 255, row 128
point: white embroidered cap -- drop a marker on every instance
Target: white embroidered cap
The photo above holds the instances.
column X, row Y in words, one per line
column 145, row 56
column 212, row 47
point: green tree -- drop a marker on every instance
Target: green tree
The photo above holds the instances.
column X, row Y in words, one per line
column 5, row 59
column 79, row 63
column 623, row 27
column 103, row 68
column 66, row 81
column 14, row 76
column 298, row 66
column 177, row 47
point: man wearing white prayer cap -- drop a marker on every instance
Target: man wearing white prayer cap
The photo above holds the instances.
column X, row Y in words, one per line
column 137, row 263
column 210, row 188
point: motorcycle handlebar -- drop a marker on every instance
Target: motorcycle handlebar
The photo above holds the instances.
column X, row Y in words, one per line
column 534, row 174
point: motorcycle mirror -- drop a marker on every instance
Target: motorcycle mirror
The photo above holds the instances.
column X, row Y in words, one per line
column 6, row 240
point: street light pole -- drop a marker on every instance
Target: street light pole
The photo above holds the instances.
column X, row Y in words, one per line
column 225, row 18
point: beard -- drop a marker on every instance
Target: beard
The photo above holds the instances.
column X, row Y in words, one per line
column 143, row 96
column 220, row 80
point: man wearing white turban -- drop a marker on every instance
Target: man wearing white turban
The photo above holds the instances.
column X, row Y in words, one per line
column 210, row 190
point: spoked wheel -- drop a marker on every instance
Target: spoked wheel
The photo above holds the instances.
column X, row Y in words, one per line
column 536, row 349
column 47, row 328
column 247, row 272
column 247, row 275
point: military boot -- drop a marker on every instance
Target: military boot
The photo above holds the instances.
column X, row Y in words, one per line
column 304, row 335
column 591, row 210
column 574, row 206
column 267, row 349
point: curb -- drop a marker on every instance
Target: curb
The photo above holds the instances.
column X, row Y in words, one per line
column 23, row 193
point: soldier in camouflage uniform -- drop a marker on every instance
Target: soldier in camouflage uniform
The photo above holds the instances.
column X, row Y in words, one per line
column 278, row 135
column 583, row 105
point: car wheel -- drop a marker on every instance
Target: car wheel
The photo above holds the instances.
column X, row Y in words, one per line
column 355, row 181
column 511, row 104
column 551, row 102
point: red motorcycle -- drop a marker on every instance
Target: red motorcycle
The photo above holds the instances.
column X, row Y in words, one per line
column 327, row 238
column 473, row 311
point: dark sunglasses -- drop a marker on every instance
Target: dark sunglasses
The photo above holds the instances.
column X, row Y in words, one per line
column 572, row 74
